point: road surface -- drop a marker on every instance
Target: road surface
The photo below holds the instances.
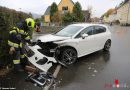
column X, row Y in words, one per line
column 97, row 71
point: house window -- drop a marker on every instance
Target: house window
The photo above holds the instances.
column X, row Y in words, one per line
column 65, row 8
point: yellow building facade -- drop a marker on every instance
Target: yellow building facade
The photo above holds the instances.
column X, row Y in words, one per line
column 63, row 7
column 66, row 6
column 47, row 18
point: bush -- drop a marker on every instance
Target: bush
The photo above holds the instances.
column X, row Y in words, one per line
column 68, row 18
column 8, row 19
column 4, row 29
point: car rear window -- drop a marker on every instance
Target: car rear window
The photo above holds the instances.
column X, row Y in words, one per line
column 99, row 29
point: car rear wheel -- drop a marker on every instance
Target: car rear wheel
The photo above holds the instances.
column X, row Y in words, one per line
column 69, row 56
column 107, row 45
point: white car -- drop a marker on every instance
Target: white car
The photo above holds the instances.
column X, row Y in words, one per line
column 70, row 43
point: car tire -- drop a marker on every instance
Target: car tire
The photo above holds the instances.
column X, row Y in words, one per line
column 68, row 56
column 107, row 45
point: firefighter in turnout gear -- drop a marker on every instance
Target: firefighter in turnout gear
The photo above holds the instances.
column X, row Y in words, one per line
column 18, row 37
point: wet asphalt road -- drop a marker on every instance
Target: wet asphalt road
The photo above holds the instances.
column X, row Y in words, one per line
column 96, row 71
column 99, row 70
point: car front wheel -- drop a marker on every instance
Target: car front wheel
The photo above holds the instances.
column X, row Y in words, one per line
column 69, row 56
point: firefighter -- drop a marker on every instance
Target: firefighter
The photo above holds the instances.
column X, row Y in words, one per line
column 18, row 36
column 38, row 25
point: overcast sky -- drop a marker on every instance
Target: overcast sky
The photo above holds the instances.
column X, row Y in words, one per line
column 39, row 6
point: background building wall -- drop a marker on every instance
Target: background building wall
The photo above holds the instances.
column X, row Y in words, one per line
column 47, row 18
column 65, row 3
column 123, row 13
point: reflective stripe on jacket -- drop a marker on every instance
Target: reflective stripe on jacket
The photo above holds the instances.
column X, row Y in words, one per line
column 14, row 41
column 12, row 44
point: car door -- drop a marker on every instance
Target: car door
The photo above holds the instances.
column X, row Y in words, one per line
column 85, row 45
column 100, row 37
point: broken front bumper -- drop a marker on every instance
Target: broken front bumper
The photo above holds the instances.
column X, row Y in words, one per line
column 39, row 60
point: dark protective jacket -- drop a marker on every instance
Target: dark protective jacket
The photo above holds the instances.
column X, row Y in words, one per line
column 18, row 34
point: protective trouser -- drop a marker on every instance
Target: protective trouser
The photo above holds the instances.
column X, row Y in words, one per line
column 20, row 60
column 23, row 59
column 16, row 60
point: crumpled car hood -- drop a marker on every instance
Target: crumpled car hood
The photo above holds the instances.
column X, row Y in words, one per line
column 50, row 38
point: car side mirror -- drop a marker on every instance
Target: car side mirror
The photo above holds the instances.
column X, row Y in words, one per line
column 84, row 35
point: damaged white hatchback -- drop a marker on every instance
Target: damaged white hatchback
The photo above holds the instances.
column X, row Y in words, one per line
column 70, row 43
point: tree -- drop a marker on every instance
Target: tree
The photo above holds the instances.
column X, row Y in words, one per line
column 38, row 20
column 68, row 17
column 90, row 10
column 57, row 17
column 77, row 12
column 109, row 12
column 30, row 14
column 42, row 17
column 53, row 9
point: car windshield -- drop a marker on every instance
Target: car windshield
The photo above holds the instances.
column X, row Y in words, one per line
column 69, row 31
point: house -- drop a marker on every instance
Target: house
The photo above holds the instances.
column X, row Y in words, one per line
column 63, row 7
column 113, row 17
column 95, row 19
column 109, row 16
column 106, row 19
column 47, row 15
column 123, row 12
column 66, row 6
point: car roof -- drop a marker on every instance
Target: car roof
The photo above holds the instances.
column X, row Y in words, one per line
column 88, row 24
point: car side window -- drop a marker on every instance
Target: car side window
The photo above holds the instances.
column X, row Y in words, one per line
column 99, row 29
column 88, row 30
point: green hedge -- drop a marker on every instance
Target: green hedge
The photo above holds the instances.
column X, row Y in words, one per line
column 8, row 18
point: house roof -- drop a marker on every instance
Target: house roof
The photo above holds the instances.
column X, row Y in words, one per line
column 47, row 12
column 70, row 0
column 123, row 3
